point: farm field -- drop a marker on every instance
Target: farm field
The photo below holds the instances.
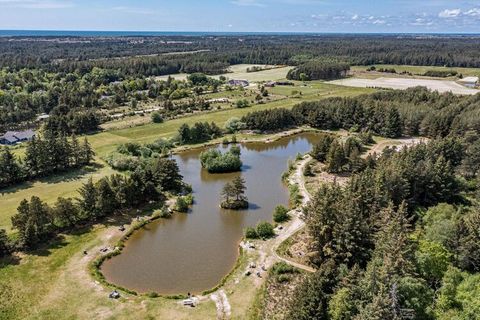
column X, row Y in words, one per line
column 420, row 69
column 239, row 71
column 404, row 83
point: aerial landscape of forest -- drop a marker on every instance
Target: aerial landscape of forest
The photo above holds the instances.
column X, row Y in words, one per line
column 260, row 170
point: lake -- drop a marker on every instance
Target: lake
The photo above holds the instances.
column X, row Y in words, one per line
column 192, row 252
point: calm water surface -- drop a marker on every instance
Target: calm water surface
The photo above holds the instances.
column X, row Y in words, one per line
column 192, row 252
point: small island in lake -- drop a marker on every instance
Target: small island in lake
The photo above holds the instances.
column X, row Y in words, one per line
column 233, row 194
column 217, row 162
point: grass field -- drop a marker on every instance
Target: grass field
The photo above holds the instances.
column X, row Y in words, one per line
column 239, row 71
column 421, row 69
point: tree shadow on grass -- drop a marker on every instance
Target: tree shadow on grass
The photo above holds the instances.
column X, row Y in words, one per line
column 58, row 177
column 11, row 260
column 72, row 175
column 46, row 249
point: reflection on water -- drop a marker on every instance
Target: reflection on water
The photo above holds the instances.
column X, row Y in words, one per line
column 192, row 252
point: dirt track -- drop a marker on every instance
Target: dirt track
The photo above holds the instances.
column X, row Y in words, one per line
column 404, row 83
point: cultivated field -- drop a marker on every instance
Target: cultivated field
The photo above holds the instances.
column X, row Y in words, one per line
column 405, row 83
column 239, row 71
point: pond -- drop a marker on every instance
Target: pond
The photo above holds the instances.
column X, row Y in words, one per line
column 192, row 252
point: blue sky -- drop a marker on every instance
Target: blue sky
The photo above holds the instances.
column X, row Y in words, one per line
column 243, row 15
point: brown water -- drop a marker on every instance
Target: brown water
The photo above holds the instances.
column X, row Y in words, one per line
column 192, row 252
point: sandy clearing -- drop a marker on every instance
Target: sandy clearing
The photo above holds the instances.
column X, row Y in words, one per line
column 397, row 143
column 404, row 83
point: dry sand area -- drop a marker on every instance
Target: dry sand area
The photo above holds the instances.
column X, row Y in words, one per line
column 403, row 83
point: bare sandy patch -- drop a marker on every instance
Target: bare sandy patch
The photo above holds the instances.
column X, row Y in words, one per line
column 405, row 83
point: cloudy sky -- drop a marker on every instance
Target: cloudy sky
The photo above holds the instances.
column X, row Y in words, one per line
column 244, row 15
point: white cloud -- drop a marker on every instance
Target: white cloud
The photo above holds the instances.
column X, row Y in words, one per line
column 378, row 21
column 475, row 12
column 355, row 17
column 453, row 13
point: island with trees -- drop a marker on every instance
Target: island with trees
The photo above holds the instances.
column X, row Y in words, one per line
column 233, row 195
column 217, row 162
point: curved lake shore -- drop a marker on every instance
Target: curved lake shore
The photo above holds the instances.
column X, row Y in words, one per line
column 192, row 252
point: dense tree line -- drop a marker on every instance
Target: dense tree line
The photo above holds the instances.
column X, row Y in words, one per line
column 44, row 156
column 86, row 52
column 389, row 113
column 198, row 133
column 37, row 222
column 319, row 70
column 380, row 254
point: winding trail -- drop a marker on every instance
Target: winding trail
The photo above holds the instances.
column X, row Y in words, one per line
column 297, row 222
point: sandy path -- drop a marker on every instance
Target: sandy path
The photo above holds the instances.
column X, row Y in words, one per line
column 405, row 83
column 296, row 223
column 224, row 310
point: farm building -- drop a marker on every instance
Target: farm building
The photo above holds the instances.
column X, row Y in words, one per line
column 14, row 137
column 470, row 82
column 239, row 83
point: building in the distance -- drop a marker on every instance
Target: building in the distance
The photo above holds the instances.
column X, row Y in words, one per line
column 470, row 82
column 239, row 83
column 14, row 137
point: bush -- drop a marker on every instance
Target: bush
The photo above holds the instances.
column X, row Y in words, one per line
column 122, row 162
column 181, row 205
column 265, row 230
column 234, row 124
column 282, row 268
column 157, row 117
column 307, row 170
column 251, row 233
column 280, row 214
column 163, row 213
column 242, row 104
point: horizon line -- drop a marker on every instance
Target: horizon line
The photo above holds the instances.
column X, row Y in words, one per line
column 242, row 32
